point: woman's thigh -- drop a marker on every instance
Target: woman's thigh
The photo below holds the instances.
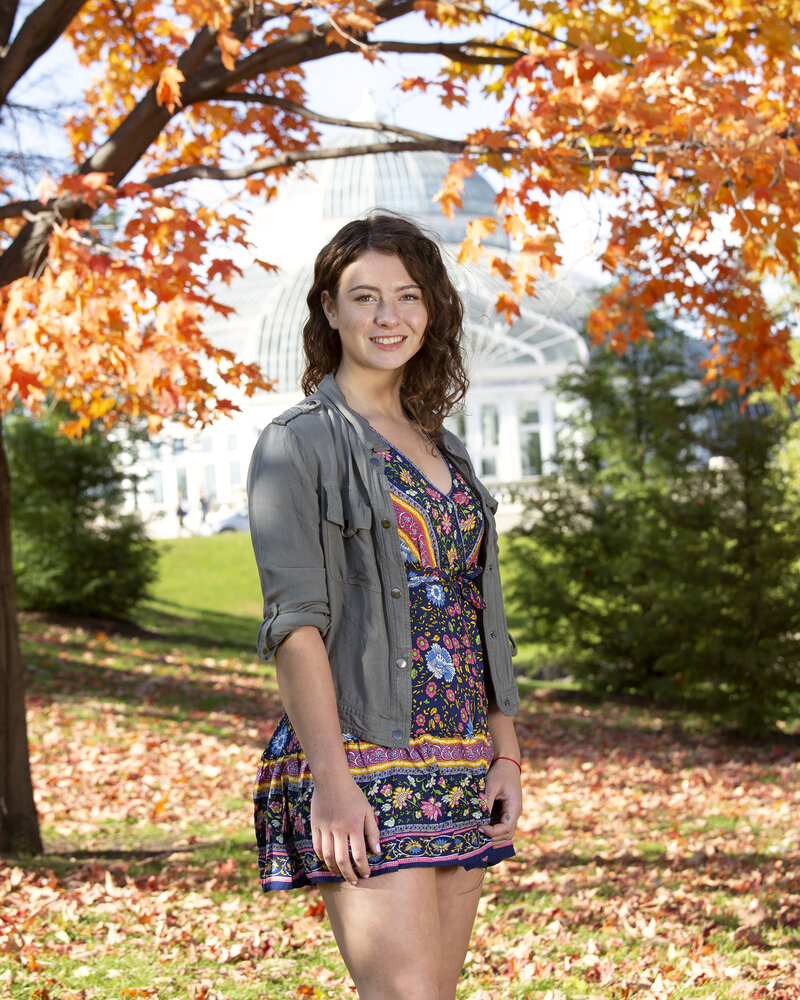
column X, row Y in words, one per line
column 404, row 935
column 457, row 893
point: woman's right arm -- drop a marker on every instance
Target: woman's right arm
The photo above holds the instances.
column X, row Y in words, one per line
column 283, row 495
column 342, row 820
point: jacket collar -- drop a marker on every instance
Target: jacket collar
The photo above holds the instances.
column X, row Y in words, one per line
column 329, row 390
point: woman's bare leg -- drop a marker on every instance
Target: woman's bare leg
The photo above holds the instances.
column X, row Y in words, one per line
column 404, row 935
column 458, row 892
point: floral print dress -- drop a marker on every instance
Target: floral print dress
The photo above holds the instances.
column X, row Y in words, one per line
column 428, row 798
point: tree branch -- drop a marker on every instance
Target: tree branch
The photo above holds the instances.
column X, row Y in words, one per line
column 621, row 161
column 8, row 14
column 207, row 79
column 119, row 153
column 40, row 30
column 269, row 163
column 454, row 51
column 315, row 116
column 281, row 53
column 21, row 209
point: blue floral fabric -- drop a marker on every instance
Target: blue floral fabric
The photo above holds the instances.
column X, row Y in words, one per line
column 429, row 799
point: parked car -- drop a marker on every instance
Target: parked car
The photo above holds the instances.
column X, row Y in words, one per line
column 237, row 520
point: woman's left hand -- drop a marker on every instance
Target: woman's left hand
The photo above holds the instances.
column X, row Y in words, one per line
column 503, row 793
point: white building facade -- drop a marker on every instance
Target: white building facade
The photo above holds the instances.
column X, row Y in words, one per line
column 511, row 416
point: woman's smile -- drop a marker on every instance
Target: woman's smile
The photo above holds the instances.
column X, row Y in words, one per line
column 379, row 314
column 387, row 341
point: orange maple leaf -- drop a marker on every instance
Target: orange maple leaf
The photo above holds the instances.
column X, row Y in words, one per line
column 508, row 305
column 299, row 23
column 224, row 269
column 168, row 90
column 414, row 83
column 229, row 47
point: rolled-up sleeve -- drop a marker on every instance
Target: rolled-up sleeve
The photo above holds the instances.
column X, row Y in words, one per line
column 285, row 527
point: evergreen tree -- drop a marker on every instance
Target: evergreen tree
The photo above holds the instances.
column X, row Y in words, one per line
column 74, row 549
column 662, row 557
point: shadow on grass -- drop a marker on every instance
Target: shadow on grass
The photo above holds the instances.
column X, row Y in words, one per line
column 176, row 625
column 134, row 853
column 171, row 675
column 168, row 697
column 631, row 714
column 174, row 665
column 198, row 861
column 199, row 626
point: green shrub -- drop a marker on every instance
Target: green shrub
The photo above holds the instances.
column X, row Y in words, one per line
column 653, row 570
column 74, row 549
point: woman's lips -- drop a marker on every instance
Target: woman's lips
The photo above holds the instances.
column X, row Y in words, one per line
column 388, row 342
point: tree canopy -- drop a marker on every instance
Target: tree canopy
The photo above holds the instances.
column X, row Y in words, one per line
column 683, row 116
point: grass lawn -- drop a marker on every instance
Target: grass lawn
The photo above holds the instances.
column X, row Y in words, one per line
column 651, row 863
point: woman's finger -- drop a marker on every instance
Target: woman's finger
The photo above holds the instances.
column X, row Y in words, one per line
column 358, row 851
column 372, row 833
column 328, row 852
column 316, row 841
column 343, row 862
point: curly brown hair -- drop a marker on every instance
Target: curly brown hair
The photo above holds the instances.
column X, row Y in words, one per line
column 435, row 380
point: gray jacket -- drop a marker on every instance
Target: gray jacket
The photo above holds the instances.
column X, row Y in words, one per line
column 328, row 554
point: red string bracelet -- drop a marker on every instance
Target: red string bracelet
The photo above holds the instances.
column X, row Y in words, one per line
column 512, row 761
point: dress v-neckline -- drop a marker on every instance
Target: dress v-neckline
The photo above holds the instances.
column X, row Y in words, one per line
column 428, row 480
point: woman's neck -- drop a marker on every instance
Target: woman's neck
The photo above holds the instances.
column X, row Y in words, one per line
column 377, row 400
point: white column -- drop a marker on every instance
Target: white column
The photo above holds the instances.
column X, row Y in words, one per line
column 547, row 432
column 509, row 463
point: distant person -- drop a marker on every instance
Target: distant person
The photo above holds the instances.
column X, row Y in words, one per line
column 393, row 779
column 183, row 510
column 203, row 507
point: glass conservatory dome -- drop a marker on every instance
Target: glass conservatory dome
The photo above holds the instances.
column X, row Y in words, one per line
column 271, row 309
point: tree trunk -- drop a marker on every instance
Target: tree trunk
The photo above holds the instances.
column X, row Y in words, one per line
column 19, row 824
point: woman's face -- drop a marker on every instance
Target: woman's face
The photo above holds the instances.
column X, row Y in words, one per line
column 379, row 313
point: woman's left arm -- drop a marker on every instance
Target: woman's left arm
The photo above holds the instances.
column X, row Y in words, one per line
column 503, row 780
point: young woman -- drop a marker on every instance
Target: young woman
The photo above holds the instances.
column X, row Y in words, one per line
column 393, row 779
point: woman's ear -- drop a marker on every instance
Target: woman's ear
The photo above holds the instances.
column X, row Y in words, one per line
column 329, row 308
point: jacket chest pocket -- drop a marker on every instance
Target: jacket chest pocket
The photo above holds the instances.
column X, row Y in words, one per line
column 350, row 553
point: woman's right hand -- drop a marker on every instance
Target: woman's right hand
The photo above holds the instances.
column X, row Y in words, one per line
column 343, row 824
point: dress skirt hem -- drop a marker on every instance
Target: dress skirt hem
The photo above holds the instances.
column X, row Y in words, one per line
column 484, row 857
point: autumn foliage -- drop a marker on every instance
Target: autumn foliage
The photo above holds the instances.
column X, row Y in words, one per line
column 679, row 118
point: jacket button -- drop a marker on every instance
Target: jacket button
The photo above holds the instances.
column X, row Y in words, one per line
column 395, row 591
column 374, row 461
column 493, row 635
column 400, row 663
column 386, row 522
column 397, row 735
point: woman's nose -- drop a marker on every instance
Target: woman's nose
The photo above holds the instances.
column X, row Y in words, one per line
column 386, row 313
